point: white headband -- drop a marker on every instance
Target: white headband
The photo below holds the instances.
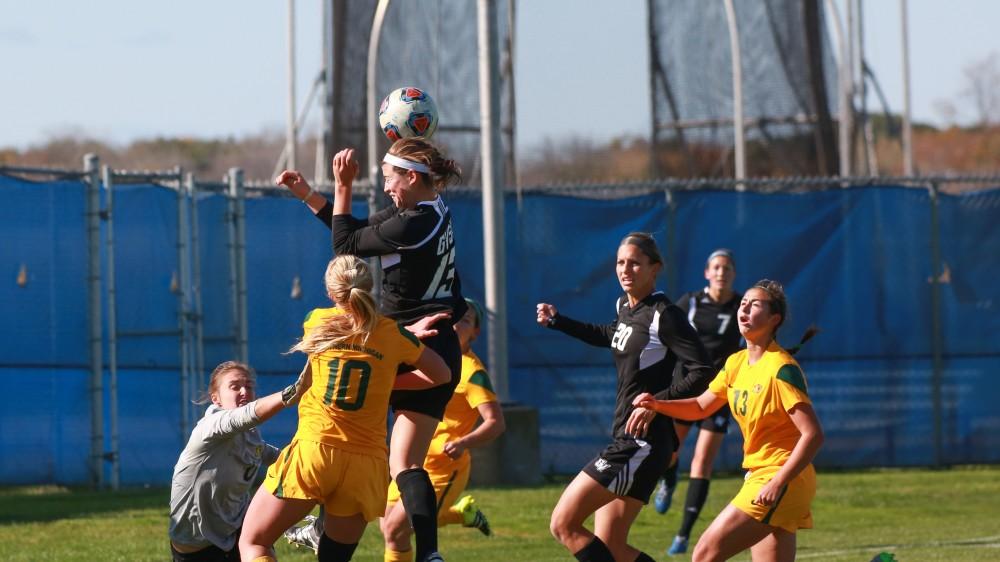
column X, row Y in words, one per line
column 406, row 164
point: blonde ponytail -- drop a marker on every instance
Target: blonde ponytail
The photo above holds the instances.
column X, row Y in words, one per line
column 349, row 284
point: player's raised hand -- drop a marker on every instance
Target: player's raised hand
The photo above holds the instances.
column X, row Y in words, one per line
column 345, row 167
column 545, row 313
column 294, row 182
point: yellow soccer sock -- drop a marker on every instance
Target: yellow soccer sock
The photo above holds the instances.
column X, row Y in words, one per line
column 265, row 559
column 393, row 556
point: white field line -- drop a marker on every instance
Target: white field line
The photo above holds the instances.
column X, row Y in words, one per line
column 988, row 542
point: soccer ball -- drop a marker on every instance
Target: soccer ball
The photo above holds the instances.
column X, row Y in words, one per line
column 408, row 112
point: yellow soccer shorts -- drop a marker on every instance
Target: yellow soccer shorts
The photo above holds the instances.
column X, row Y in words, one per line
column 792, row 510
column 448, row 487
column 344, row 483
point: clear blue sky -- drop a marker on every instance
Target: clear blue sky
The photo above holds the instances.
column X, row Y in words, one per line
column 122, row 69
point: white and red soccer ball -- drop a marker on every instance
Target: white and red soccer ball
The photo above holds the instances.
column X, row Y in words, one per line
column 408, row 112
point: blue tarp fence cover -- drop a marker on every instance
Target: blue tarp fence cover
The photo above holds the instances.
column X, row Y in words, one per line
column 858, row 262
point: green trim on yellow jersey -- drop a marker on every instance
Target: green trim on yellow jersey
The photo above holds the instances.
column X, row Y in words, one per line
column 793, row 376
column 407, row 334
column 480, row 378
column 309, row 315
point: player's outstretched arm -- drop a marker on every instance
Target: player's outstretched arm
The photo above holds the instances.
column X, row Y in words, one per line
column 684, row 409
column 301, row 190
column 598, row 335
column 271, row 404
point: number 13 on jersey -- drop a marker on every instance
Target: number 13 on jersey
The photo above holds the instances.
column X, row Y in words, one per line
column 444, row 276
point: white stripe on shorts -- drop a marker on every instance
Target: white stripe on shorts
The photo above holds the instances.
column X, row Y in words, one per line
column 623, row 481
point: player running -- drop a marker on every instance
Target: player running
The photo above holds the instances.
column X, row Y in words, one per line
column 712, row 311
column 415, row 243
column 448, row 460
column 647, row 339
column 768, row 396
column 338, row 456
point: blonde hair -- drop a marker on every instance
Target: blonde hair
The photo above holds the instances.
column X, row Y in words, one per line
column 349, row 285
column 221, row 369
column 416, row 149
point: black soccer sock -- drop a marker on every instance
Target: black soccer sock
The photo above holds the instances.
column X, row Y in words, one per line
column 643, row 557
column 670, row 476
column 595, row 551
column 333, row 551
column 697, row 493
column 417, row 494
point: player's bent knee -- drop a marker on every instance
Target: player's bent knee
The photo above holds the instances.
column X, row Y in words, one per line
column 397, row 532
column 704, row 552
column 560, row 527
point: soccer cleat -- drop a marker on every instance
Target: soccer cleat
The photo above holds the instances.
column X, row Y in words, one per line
column 471, row 515
column 664, row 495
column 305, row 535
column 680, row 546
column 434, row 557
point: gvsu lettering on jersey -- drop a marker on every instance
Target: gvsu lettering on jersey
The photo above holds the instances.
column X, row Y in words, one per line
column 446, row 241
column 444, row 276
column 601, row 465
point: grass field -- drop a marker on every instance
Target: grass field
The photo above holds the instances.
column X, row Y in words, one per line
column 918, row 515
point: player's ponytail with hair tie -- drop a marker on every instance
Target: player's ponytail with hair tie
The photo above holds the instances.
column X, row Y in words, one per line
column 348, row 283
column 446, row 171
column 811, row 331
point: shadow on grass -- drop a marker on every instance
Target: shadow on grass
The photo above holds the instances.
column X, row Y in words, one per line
column 50, row 503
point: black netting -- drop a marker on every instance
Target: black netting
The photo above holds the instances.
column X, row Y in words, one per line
column 429, row 44
column 693, row 90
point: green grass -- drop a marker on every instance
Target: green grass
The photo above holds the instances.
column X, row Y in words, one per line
column 921, row 515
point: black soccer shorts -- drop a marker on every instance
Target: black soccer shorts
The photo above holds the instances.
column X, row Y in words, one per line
column 630, row 467
column 432, row 401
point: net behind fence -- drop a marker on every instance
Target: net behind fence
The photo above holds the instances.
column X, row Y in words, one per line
column 431, row 45
column 788, row 85
column 857, row 262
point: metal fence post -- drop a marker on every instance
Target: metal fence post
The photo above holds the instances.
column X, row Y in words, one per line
column 183, row 307
column 671, row 243
column 113, row 455
column 191, row 188
column 91, row 166
column 739, row 137
column 494, row 249
column 937, row 343
column 237, row 261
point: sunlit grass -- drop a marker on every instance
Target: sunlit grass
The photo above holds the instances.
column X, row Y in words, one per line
column 917, row 514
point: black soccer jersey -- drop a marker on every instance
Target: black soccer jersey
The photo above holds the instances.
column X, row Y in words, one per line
column 416, row 248
column 646, row 342
column 716, row 324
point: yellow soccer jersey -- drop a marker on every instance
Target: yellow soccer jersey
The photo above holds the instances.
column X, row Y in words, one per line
column 347, row 404
column 461, row 414
column 760, row 396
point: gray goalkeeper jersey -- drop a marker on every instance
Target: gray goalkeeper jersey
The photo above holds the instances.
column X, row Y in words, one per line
column 212, row 479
